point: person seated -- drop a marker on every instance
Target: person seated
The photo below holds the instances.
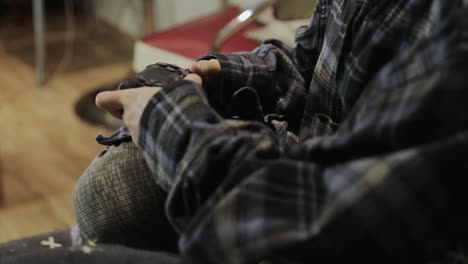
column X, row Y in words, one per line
column 350, row 145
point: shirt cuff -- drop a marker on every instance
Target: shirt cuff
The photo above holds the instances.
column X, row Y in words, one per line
column 238, row 70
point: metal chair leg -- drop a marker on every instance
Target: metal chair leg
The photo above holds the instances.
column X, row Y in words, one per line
column 39, row 39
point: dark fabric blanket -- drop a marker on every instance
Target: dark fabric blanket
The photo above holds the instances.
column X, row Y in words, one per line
column 63, row 247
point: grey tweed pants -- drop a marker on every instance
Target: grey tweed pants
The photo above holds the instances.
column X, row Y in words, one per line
column 117, row 201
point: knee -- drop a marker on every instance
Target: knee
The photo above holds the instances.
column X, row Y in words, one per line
column 116, row 200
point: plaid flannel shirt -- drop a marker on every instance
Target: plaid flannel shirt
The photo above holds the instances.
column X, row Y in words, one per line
column 376, row 92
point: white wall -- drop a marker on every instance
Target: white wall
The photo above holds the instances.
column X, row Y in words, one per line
column 127, row 15
column 244, row 3
column 173, row 12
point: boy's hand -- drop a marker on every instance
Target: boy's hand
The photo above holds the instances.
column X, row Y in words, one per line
column 194, row 78
column 128, row 105
column 205, row 68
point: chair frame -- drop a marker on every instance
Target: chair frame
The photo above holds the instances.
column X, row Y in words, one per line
column 242, row 20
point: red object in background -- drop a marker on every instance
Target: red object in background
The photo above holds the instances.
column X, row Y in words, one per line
column 195, row 38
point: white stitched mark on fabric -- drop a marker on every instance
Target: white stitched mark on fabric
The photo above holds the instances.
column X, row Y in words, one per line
column 51, row 243
column 87, row 249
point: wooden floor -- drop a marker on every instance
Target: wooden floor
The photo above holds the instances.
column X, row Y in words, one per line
column 44, row 147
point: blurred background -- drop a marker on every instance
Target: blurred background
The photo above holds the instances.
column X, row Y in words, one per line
column 56, row 55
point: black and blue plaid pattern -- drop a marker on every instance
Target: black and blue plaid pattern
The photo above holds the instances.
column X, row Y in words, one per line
column 375, row 98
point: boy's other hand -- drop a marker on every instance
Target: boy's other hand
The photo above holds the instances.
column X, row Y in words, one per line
column 127, row 105
column 205, row 68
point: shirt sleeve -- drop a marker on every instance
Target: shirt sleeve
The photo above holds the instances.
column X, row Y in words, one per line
column 388, row 186
column 280, row 74
column 236, row 198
